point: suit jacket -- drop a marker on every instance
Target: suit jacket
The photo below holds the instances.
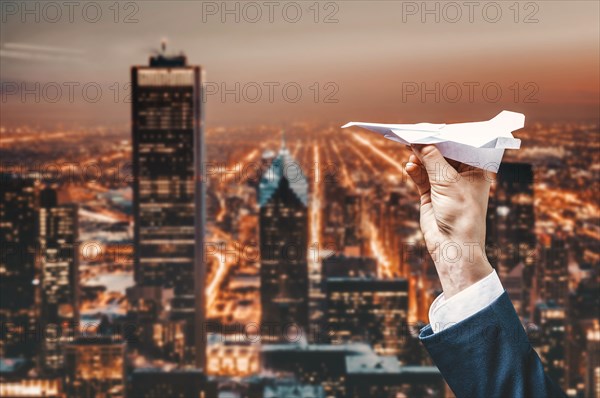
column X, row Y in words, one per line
column 488, row 355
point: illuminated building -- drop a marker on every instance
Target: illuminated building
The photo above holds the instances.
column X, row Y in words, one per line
column 352, row 220
column 283, row 200
column 399, row 220
column 333, row 227
column 592, row 371
column 168, row 151
column 510, row 237
column 513, row 284
column 31, row 388
column 157, row 383
column 553, row 270
column 18, row 279
column 552, row 340
column 368, row 310
column 95, row 367
column 233, row 359
column 58, row 232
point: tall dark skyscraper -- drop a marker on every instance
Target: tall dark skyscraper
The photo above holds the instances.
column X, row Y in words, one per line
column 510, row 238
column 168, row 151
column 592, row 371
column 553, row 270
column 283, row 200
column 59, row 279
column 18, row 277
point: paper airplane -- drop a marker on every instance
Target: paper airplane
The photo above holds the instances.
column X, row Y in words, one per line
column 479, row 144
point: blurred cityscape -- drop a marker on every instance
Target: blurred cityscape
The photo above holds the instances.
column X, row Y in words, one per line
column 182, row 260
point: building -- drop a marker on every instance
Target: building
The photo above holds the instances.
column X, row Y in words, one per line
column 168, row 206
column 31, row 388
column 339, row 266
column 385, row 377
column 551, row 342
column 283, row 201
column 368, row 310
column 95, row 367
column 20, row 334
column 353, row 207
column 157, row 383
column 323, row 364
column 553, row 270
column 58, row 234
column 592, row 370
column 513, row 284
column 155, row 334
column 349, row 370
column 510, row 237
column 292, row 389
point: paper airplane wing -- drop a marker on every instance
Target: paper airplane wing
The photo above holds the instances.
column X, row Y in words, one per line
column 403, row 133
column 480, row 144
column 494, row 133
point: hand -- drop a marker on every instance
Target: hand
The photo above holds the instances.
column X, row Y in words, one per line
column 454, row 199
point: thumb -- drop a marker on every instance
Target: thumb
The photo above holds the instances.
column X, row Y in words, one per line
column 417, row 173
column 434, row 162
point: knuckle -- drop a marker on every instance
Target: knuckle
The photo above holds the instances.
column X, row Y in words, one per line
column 429, row 151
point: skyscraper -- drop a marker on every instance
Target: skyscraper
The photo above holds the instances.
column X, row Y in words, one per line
column 168, row 151
column 510, row 238
column 352, row 219
column 283, row 201
column 553, row 270
column 552, row 343
column 18, row 278
column 592, row 370
column 59, row 279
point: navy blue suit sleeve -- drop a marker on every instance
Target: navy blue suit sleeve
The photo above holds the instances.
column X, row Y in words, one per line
column 489, row 355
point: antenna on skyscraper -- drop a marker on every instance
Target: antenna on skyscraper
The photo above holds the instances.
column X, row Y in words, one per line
column 163, row 45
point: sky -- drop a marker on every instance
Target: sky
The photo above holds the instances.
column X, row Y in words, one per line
column 276, row 62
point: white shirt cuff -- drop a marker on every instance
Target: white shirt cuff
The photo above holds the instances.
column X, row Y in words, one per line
column 445, row 313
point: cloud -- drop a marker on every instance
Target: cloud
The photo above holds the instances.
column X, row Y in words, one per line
column 35, row 52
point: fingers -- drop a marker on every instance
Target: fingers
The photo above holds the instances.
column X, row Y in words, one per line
column 435, row 164
column 416, row 171
column 418, row 174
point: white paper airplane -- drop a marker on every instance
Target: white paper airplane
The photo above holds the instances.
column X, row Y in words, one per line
column 479, row 144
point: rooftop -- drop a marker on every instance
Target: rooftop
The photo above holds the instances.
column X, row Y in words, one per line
column 350, row 348
column 283, row 166
column 370, row 364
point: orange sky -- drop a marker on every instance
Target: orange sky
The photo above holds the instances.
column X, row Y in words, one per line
column 364, row 59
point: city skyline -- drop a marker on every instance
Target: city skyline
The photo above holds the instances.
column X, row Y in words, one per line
column 174, row 237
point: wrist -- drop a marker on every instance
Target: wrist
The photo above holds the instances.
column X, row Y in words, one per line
column 459, row 270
